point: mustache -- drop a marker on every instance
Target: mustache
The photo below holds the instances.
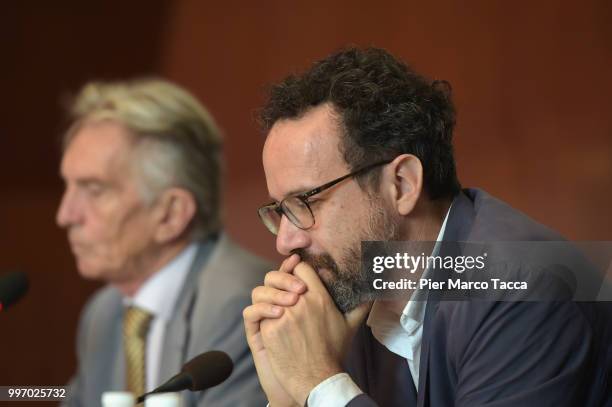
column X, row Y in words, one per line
column 318, row 261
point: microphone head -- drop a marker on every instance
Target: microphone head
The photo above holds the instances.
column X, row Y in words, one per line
column 13, row 286
column 208, row 369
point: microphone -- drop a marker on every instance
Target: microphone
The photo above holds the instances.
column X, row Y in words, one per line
column 13, row 286
column 206, row 370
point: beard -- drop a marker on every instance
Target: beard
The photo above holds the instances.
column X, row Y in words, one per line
column 351, row 285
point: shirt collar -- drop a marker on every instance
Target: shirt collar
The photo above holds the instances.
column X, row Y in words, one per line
column 159, row 293
column 414, row 312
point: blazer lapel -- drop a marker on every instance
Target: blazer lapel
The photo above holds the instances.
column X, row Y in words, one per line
column 113, row 377
column 176, row 338
column 458, row 225
column 369, row 361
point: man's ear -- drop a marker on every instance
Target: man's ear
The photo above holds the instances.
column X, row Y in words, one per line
column 406, row 174
column 175, row 209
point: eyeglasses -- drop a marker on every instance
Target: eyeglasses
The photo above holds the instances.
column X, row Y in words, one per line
column 296, row 207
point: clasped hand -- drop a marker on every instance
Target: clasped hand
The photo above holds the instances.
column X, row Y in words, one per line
column 296, row 333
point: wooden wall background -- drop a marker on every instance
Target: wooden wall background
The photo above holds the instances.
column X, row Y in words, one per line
column 531, row 82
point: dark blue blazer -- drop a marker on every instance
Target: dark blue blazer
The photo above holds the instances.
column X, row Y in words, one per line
column 488, row 353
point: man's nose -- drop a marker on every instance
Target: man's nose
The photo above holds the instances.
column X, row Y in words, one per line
column 290, row 237
column 69, row 212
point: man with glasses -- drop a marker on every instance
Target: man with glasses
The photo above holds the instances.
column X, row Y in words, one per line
column 359, row 148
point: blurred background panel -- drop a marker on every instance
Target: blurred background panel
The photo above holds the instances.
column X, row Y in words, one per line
column 531, row 84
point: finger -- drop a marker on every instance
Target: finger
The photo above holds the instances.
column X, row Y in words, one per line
column 289, row 263
column 355, row 317
column 273, row 296
column 306, row 273
column 284, row 281
column 253, row 314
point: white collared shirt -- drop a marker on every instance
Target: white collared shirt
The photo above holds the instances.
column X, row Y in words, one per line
column 158, row 295
column 402, row 337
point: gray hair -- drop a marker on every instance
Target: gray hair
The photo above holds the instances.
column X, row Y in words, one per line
column 178, row 143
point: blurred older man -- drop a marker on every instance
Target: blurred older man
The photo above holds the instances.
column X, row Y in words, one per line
column 141, row 164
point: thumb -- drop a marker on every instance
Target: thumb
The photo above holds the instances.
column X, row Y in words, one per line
column 355, row 317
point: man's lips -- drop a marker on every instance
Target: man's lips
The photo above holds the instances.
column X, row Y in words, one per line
column 76, row 247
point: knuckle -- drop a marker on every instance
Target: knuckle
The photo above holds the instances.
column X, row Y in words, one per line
column 258, row 294
column 254, row 292
column 270, row 309
column 280, row 297
column 288, row 297
column 246, row 313
column 269, row 278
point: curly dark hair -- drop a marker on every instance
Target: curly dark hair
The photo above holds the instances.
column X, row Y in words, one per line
column 385, row 109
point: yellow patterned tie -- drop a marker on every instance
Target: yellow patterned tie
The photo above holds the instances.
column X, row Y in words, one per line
column 135, row 327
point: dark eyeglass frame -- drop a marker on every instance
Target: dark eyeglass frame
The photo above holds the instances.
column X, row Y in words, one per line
column 303, row 197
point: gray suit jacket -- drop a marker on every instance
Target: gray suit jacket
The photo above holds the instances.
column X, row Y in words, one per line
column 207, row 316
